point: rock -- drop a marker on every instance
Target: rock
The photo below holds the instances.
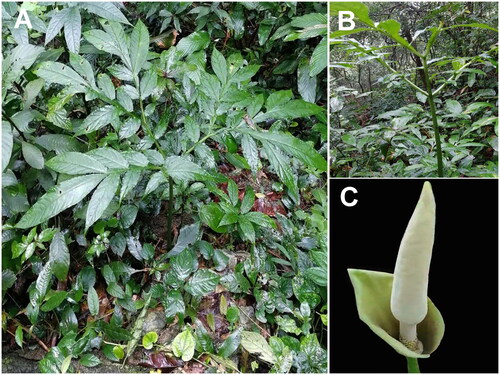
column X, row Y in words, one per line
column 168, row 334
column 154, row 321
column 246, row 313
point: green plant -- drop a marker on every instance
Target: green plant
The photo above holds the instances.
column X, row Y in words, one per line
column 425, row 60
column 114, row 147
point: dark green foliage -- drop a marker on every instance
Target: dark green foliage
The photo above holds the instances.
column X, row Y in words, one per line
column 165, row 157
column 383, row 123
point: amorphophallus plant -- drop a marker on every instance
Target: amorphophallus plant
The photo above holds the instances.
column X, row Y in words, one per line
column 396, row 307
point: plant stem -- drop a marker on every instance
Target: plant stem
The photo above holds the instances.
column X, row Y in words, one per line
column 435, row 125
column 412, row 365
column 170, row 212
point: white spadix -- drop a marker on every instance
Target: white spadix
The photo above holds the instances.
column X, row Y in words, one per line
column 411, row 274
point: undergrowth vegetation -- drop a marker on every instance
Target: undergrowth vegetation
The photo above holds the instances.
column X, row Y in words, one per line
column 164, row 198
column 414, row 90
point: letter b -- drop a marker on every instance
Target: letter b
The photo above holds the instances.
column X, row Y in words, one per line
column 349, row 20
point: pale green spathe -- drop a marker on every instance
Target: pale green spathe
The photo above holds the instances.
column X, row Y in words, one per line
column 373, row 300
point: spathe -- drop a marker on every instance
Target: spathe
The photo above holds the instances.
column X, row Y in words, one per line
column 373, row 300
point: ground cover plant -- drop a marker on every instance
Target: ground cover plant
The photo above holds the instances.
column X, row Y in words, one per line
column 414, row 90
column 163, row 190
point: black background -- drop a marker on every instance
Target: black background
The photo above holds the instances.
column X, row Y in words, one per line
column 463, row 277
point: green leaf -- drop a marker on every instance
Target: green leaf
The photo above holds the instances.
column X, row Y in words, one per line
column 230, row 344
column 98, row 119
column 7, row 143
column 139, row 45
column 59, row 256
column 174, row 304
column 106, row 85
column 89, row 360
column 117, row 333
column 54, row 301
column 181, row 169
column 232, row 190
column 250, row 152
column 31, row 91
column 290, row 110
column 245, row 229
column 19, row 336
column 187, row 236
column 115, row 290
column 349, row 139
column 183, row 345
column 44, row 279
column 203, row 282
column 101, row 199
column 211, row 214
column 245, row 73
column 59, row 198
column 248, row 200
column 282, row 168
column 319, row 58
column 109, row 157
column 56, row 24
column 149, row 340
column 233, row 314
column 32, row 155
column 291, row 145
column 262, row 220
column 359, row 9
column 478, row 25
column 118, row 352
column 75, row 163
column 373, row 300
column 219, row 65
column 148, row 83
column 229, row 218
column 93, row 301
column 256, row 344
column 113, row 41
column 54, row 72
column 192, row 128
column 193, row 42
column 317, row 275
column 73, row 29
column 66, row 363
column 108, row 11
column 129, row 182
column 306, row 83
column 8, row 279
column 454, row 107
column 288, row 325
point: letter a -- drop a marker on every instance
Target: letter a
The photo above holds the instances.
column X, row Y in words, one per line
column 23, row 19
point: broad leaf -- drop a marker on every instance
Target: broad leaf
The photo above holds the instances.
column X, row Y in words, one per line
column 202, row 283
column 97, row 119
column 139, row 45
column 93, row 301
column 59, row 198
column 290, row 110
column 254, row 343
column 105, row 10
column 193, row 42
column 32, row 155
column 181, row 169
column 187, row 236
column 7, row 143
column 73, row 29
column 56, row 24
column 101, row 199
column 291, row 145
column 219, row 66
column 75, row 163
column 183, row 345
column 54, row 72
column 59, row 256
